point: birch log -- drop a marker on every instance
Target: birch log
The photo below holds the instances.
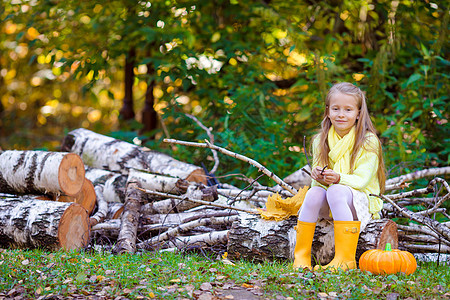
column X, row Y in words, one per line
column 126, row 242
column 158, row 183
column 51, row 225
column 105, row 152
column 115, row 210
column 40, row 172
column 257, row 239
column 299, row 178
column 102, row 205
column 85, row 197
column 200, row 240
column 114, row 184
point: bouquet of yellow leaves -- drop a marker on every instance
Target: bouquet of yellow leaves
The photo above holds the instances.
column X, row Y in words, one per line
column 280, row 209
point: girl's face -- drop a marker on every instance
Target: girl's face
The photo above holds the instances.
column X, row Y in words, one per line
column 343, row 112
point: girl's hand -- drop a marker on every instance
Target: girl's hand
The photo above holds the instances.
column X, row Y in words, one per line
column 316, row 175
column 330, row 177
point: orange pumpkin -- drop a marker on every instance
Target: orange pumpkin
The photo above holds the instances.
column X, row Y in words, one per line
column 388, row 261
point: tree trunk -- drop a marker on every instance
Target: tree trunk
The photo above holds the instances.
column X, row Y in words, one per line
column 50, row 225
column 40, row 172
column 104, row 152
column 126, row 242
column 127, row 111
column 149, row 115
column 257, row 239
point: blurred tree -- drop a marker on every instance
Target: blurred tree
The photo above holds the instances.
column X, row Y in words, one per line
column 254, row 71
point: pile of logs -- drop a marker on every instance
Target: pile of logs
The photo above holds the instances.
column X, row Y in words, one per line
column 103, row 191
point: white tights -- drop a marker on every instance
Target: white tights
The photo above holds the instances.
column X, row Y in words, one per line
column 338, row 197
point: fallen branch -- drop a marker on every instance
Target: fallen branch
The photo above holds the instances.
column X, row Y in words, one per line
column 173, row 204
column 240, row 157
column 197, row 201
column 183, row 217
column 391, row 183
column 126, row 242
column 206, row 239
column 183, row 228
column 102, row 205
column 433, row 224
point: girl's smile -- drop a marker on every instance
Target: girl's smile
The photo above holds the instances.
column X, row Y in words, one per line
column 343, row 112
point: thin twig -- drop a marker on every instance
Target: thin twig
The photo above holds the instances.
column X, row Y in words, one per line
column 432, row 224
column 211, row 140
column 240, row 157
column 197, row 201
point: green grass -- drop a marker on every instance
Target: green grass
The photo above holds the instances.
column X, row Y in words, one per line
column 35, row 274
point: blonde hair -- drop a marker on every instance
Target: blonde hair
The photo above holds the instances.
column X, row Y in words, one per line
column 363, row 125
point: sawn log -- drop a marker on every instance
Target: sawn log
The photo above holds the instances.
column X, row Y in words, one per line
column 31, row 223
column 257, row 239
column 40, row 172
column 105, row 152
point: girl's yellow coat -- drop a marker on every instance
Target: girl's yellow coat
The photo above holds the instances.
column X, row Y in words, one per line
column 364, row 176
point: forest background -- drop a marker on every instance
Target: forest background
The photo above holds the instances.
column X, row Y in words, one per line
column 255, row 72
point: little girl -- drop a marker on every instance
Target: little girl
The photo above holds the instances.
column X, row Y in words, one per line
column 347, row 167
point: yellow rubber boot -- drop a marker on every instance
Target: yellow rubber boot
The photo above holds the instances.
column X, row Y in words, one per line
column 346, row 234
column 302, row 251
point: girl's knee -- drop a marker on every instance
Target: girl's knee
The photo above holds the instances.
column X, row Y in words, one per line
column 338, row 189
column 317, row 190
column 339, row 193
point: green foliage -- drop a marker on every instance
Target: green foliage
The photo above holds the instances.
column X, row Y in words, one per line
column 256, row 72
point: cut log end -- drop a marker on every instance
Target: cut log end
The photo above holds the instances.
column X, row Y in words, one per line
column 71, row 174
column 197, row 176
column 86, row 197
column 73, row 230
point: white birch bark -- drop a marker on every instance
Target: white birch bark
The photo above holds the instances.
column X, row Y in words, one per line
column 159, row 183
column 49, row 225
column 126, row 242
column 184, row 228
column 299, row 178
column 40, row 172
column 257, row 239
column 105, row 152
column 174, row 205
column 205, row 239
column 183, row 217
column 114, row 184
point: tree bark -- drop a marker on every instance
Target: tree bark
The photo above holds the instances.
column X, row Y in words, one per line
column 102, row 210
column 174, row 205
column 51, row 225
column 104, row 152
column 41, row 172
column 159, row 183
column 126, row 242
column 254, row 238
column 149, row 115
column 114, row 184
column 127, row 111
column 299, row 178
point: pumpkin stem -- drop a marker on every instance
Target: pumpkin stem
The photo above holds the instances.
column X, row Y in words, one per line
column 388, row 247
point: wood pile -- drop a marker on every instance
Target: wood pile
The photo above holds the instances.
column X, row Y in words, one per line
column 103, row 191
